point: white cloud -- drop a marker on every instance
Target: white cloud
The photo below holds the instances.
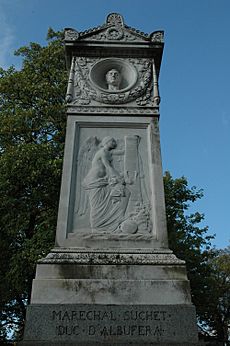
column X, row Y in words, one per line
column 225, row 118
column 6, row 40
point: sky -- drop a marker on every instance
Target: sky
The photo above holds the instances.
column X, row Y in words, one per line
column 194, row 80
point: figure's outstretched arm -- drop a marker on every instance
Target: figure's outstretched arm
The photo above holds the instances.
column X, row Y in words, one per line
column 109, row 168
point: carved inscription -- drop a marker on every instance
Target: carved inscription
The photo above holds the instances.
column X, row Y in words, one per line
column 103, row 324
column 124, row 324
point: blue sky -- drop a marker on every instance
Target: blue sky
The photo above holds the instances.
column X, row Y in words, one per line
column 194, row 80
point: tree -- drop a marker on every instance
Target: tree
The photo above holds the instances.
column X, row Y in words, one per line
column 186, row 239
column 208, row 269
column 32, row 127
column 218, row 312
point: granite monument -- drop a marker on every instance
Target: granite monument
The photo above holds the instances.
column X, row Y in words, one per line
column 111, row 278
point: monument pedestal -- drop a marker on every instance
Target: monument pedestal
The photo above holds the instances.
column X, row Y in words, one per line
column 111, row 298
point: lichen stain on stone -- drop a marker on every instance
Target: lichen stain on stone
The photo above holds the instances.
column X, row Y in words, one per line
column 67, row 285
column 175, row 272
column 65, row 271
column 71, row 285
column 183, row 287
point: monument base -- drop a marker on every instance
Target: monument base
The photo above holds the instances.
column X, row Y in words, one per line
column 110, row 324
column 88, row 298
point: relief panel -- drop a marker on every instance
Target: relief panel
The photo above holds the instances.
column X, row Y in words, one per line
column 111, row 192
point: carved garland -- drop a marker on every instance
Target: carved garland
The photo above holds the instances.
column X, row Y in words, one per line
column 85, row 92
column 113, row 34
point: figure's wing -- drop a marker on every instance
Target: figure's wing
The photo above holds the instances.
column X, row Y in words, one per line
column 84, row 162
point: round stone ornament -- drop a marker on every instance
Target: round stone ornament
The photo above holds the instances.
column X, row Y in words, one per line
column 129, row 226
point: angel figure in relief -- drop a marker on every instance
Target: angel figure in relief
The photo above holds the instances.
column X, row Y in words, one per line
column 108, row 195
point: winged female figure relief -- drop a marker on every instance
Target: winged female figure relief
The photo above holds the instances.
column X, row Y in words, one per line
column 106, row 188
column 112, row 194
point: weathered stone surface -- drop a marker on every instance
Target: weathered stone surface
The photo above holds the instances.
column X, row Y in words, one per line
column 111, row 282
column 112, row 272
column 111, row 324
column 110, row 257
column 110, row 291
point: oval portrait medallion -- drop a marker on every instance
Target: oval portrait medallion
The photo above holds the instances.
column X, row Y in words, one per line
column 113, row 75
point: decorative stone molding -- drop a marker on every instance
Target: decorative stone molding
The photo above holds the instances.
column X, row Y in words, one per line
column 71, row 35
column 115, row 19
column 113, row 251
column 110, row 258
column 157, row 36
column 113, row 110
column 114, row 34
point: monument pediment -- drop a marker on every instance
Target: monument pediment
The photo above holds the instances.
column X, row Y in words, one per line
column 113, row 31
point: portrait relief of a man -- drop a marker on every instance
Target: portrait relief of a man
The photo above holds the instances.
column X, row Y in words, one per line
column 113, row 79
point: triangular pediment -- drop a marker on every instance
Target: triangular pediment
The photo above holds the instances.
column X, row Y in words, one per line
column 114, row 33
column 114, row 30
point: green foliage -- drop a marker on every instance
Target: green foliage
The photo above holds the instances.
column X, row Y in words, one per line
column 217, row 315
column 208, row 269
column 32, row 134
column 186, row 239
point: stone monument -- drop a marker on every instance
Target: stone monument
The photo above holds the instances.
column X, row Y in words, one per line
column 111, row 278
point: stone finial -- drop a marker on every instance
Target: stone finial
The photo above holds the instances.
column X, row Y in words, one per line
column 157, row 36
column 71, row 34
column 115, row 19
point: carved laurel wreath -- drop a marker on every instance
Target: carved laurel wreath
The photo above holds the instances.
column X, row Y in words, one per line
column 85, row 91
